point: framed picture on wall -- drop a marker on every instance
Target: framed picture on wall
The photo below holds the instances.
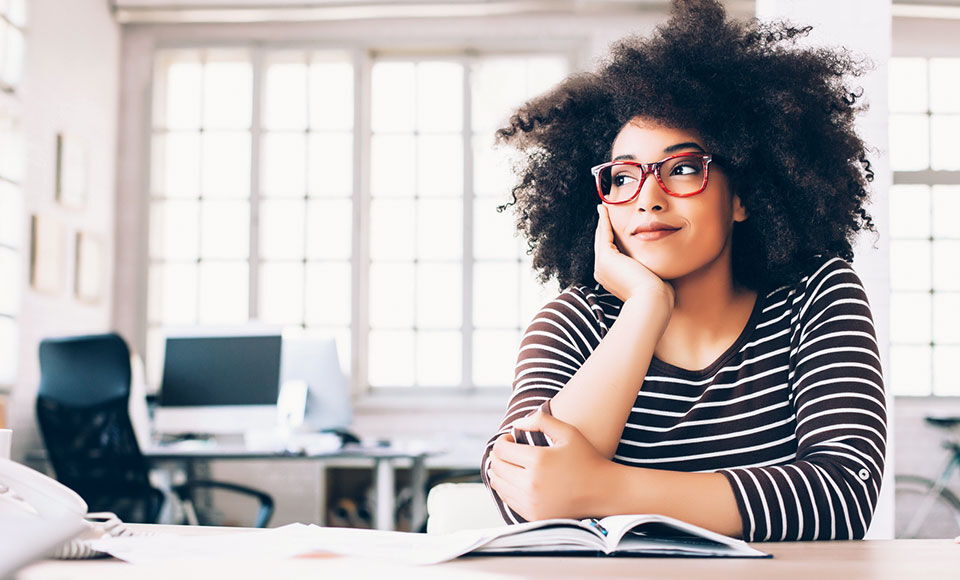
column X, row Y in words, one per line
column 88, row 275
column 46, row 254
column 71, row 171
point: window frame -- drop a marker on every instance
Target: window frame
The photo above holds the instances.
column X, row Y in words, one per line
column 927, row 177
column 362, row 56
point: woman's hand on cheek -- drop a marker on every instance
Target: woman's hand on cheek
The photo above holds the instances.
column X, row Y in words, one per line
column 561, row 481
column 620, row 274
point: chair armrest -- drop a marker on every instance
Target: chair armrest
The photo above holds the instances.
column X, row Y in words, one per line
column 185, row 492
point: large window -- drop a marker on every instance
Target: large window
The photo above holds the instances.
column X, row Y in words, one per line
column 11, row 176
column 924, row 234
column 352, row 194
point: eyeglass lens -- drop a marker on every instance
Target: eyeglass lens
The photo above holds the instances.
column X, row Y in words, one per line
column 680, row 176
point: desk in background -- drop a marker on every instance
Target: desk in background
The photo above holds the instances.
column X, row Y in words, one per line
column 382, row 458
column 860, row 560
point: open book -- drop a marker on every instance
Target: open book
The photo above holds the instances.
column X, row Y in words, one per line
column 632, row 535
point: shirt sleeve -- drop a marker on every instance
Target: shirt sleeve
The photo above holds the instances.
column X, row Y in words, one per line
column 831, row 489
column 555, row 345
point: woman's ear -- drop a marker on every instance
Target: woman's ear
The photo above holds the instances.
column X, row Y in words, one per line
column 740, row 212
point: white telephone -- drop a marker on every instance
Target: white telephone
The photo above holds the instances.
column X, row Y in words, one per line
column 36, row 515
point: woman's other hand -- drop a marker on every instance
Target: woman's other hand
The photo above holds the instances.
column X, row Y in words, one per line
column 620, row 274
column 564, row 480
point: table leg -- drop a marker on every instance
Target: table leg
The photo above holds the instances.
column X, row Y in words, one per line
column 321, row 514
column 383, row 519
column 418, row 477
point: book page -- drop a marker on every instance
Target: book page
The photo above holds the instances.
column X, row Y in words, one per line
column 667, row 528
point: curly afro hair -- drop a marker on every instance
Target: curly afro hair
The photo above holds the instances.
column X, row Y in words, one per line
column 779, row 116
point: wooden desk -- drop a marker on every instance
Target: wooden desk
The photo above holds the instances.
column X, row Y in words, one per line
column 870, row 559
column 383, row 459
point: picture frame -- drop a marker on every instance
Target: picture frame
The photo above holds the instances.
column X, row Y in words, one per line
column 88, row 272
column 46, row 254
column 72, row 175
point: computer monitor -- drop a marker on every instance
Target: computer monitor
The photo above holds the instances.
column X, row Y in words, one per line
column 219, row 384
column 314, row 360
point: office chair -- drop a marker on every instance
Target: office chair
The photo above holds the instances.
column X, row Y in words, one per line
column 84, row 419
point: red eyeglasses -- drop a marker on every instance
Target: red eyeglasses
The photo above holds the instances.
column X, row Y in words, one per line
column 679, row 175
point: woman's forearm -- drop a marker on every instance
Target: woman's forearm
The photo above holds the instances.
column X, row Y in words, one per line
column 598, row 399
column 702, row 499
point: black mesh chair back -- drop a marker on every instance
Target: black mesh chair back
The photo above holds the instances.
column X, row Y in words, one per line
column 82, row 410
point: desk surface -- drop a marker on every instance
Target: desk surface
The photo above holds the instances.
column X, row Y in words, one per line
column 893, row 559
column 211, row 452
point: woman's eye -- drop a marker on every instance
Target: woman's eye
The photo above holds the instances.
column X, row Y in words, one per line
column 684, row 169
column 622, row 179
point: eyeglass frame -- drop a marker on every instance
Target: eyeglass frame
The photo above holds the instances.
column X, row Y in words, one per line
column 654, row 168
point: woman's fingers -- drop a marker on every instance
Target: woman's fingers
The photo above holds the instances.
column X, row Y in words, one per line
column 604, row 236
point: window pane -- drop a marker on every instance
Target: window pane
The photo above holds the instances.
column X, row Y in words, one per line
column 908, row 85
column 11, row 146
column 182, row 97
column 946, row 208
column 439, row 229
column 492, row 174
column 494, row 357
column 909, row 265
column 173, row 294
column 392, row 163
column 440, row 165
column 391, row 358
column 331, row 95
column 439, row 359
column 281, row 293
column 175, row 170
column 284, row 164
column 9, row 351
column 227, row 92
column 945, row 383
column 439, row 97
column 439, row 296
column 223, row 293
column 496, row 295
column 10, row 289
column 285, row 102
column 909, row 142
column 226, row 164
column 329, row 230
column 225, row 229
column 328, row 294
column 946, row 308
column 946, row 265
column 910, row 317
column 281, row 229
column 494, row 233
column 12, row 57
column 392, row 233
column 944, row 147
column 910, row 370
column 391, row 295
column 393, row 88
column 12, row 215
column 331, row 164
column 910, row 211
column 543, row 72
column 174, row 230
column 533, row 295
column 944, row 85
column 498, row 88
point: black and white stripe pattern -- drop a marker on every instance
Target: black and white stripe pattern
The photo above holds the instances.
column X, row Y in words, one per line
column 792, row 414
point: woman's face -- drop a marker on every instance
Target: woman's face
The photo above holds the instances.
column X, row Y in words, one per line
column 703, row 222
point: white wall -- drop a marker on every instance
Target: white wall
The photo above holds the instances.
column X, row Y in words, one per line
column 70, row 84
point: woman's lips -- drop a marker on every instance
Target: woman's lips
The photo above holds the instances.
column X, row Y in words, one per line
column 654, row 235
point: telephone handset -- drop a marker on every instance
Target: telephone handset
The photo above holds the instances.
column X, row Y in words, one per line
column 36, row 515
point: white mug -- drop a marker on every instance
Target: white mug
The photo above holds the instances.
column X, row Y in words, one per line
column 6, row 438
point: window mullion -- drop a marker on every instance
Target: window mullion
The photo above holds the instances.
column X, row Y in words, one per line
column 360, row 256
column 466, row 381
column 255, row 136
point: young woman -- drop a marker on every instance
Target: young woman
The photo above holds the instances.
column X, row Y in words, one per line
column 712, row 356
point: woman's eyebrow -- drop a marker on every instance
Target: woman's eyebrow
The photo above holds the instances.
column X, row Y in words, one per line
column 670, row 149
column 686, row 145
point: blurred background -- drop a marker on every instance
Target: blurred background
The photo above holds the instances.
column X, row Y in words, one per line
column 328, row 167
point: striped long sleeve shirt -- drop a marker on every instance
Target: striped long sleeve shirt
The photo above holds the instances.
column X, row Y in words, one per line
column 792, row 414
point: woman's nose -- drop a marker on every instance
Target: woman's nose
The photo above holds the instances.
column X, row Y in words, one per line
column 651, row 196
